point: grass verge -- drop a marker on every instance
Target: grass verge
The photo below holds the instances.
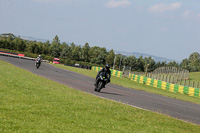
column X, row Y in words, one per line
column 195, row 76
column 30, row 103
column 134, row 85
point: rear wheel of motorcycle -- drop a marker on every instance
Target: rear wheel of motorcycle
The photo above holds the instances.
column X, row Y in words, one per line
column 99, row 86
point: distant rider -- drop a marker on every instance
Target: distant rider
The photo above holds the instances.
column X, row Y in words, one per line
column 107, row 70
column 39, row 57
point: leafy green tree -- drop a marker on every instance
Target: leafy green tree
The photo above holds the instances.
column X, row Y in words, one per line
column 45, row 48
column 93, row 53
column 150, row 62
column 101, row 58
column 39, row 47
column 194, row 62
column 132, row 62
column 3, row 42
column 173, row 63
column 158, row 64
column 96, row 54
column 140, row 64
column 66, row 51
column 31, row 47
column 9, row 40
column 117, row 61
column 15, row 43
column 103, row 53
column 110, row 57
column 126, row 61
column 76, row 53
column 85, row 52
column 185, row 64
column 36, row 50
column 72, row 46
column 55, row 47
column 164, row 63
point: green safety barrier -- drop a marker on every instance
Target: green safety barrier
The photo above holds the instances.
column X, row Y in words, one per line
column 159, row 84
column 152, row 82
column 138, row 80
column 145, row 80
column 165, row 86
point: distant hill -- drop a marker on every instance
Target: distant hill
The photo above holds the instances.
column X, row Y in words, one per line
column 39, row 39
column 34, row 39
column 136, row 54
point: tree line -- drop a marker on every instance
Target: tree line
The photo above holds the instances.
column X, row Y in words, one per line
column 86, row 55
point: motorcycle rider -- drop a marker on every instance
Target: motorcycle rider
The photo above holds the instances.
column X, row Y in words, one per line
column 105, row 69
column 39, row 57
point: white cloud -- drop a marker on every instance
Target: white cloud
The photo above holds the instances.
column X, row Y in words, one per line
column 186, row 14
column 191, row 15
column 198, row 17
column 159, row 8
column 114, row 3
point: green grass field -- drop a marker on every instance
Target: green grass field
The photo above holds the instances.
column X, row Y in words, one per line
column 30, row 103
column 195, row 76
column 134, row 85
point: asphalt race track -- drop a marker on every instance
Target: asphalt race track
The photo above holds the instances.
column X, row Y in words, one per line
column 175, row 108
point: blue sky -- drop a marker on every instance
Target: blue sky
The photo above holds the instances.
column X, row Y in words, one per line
column 169, row 29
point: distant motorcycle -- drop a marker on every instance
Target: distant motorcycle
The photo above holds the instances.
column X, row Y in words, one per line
column 103, row 79
column 38, row 63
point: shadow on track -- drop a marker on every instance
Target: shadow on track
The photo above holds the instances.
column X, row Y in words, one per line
column 112, row 93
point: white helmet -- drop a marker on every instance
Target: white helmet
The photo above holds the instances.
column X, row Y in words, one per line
column 39, row 55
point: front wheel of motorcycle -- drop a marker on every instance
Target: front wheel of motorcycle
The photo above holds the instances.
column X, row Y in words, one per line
column 37, row 66
column 95, row 89
column 99, row 87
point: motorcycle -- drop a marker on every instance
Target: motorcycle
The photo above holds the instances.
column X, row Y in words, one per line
column 38, row 63
column 103, row 79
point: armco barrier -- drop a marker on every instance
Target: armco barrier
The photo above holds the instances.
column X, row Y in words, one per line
column 80, row 66
column 166, row 86
column 21, row 57
column 115, row 73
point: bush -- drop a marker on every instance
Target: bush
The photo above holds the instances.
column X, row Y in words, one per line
column 193, row 69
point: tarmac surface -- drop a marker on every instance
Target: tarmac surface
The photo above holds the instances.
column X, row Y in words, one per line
column 185, row 111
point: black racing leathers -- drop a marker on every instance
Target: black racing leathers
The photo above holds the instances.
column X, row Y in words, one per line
column 103, row 70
